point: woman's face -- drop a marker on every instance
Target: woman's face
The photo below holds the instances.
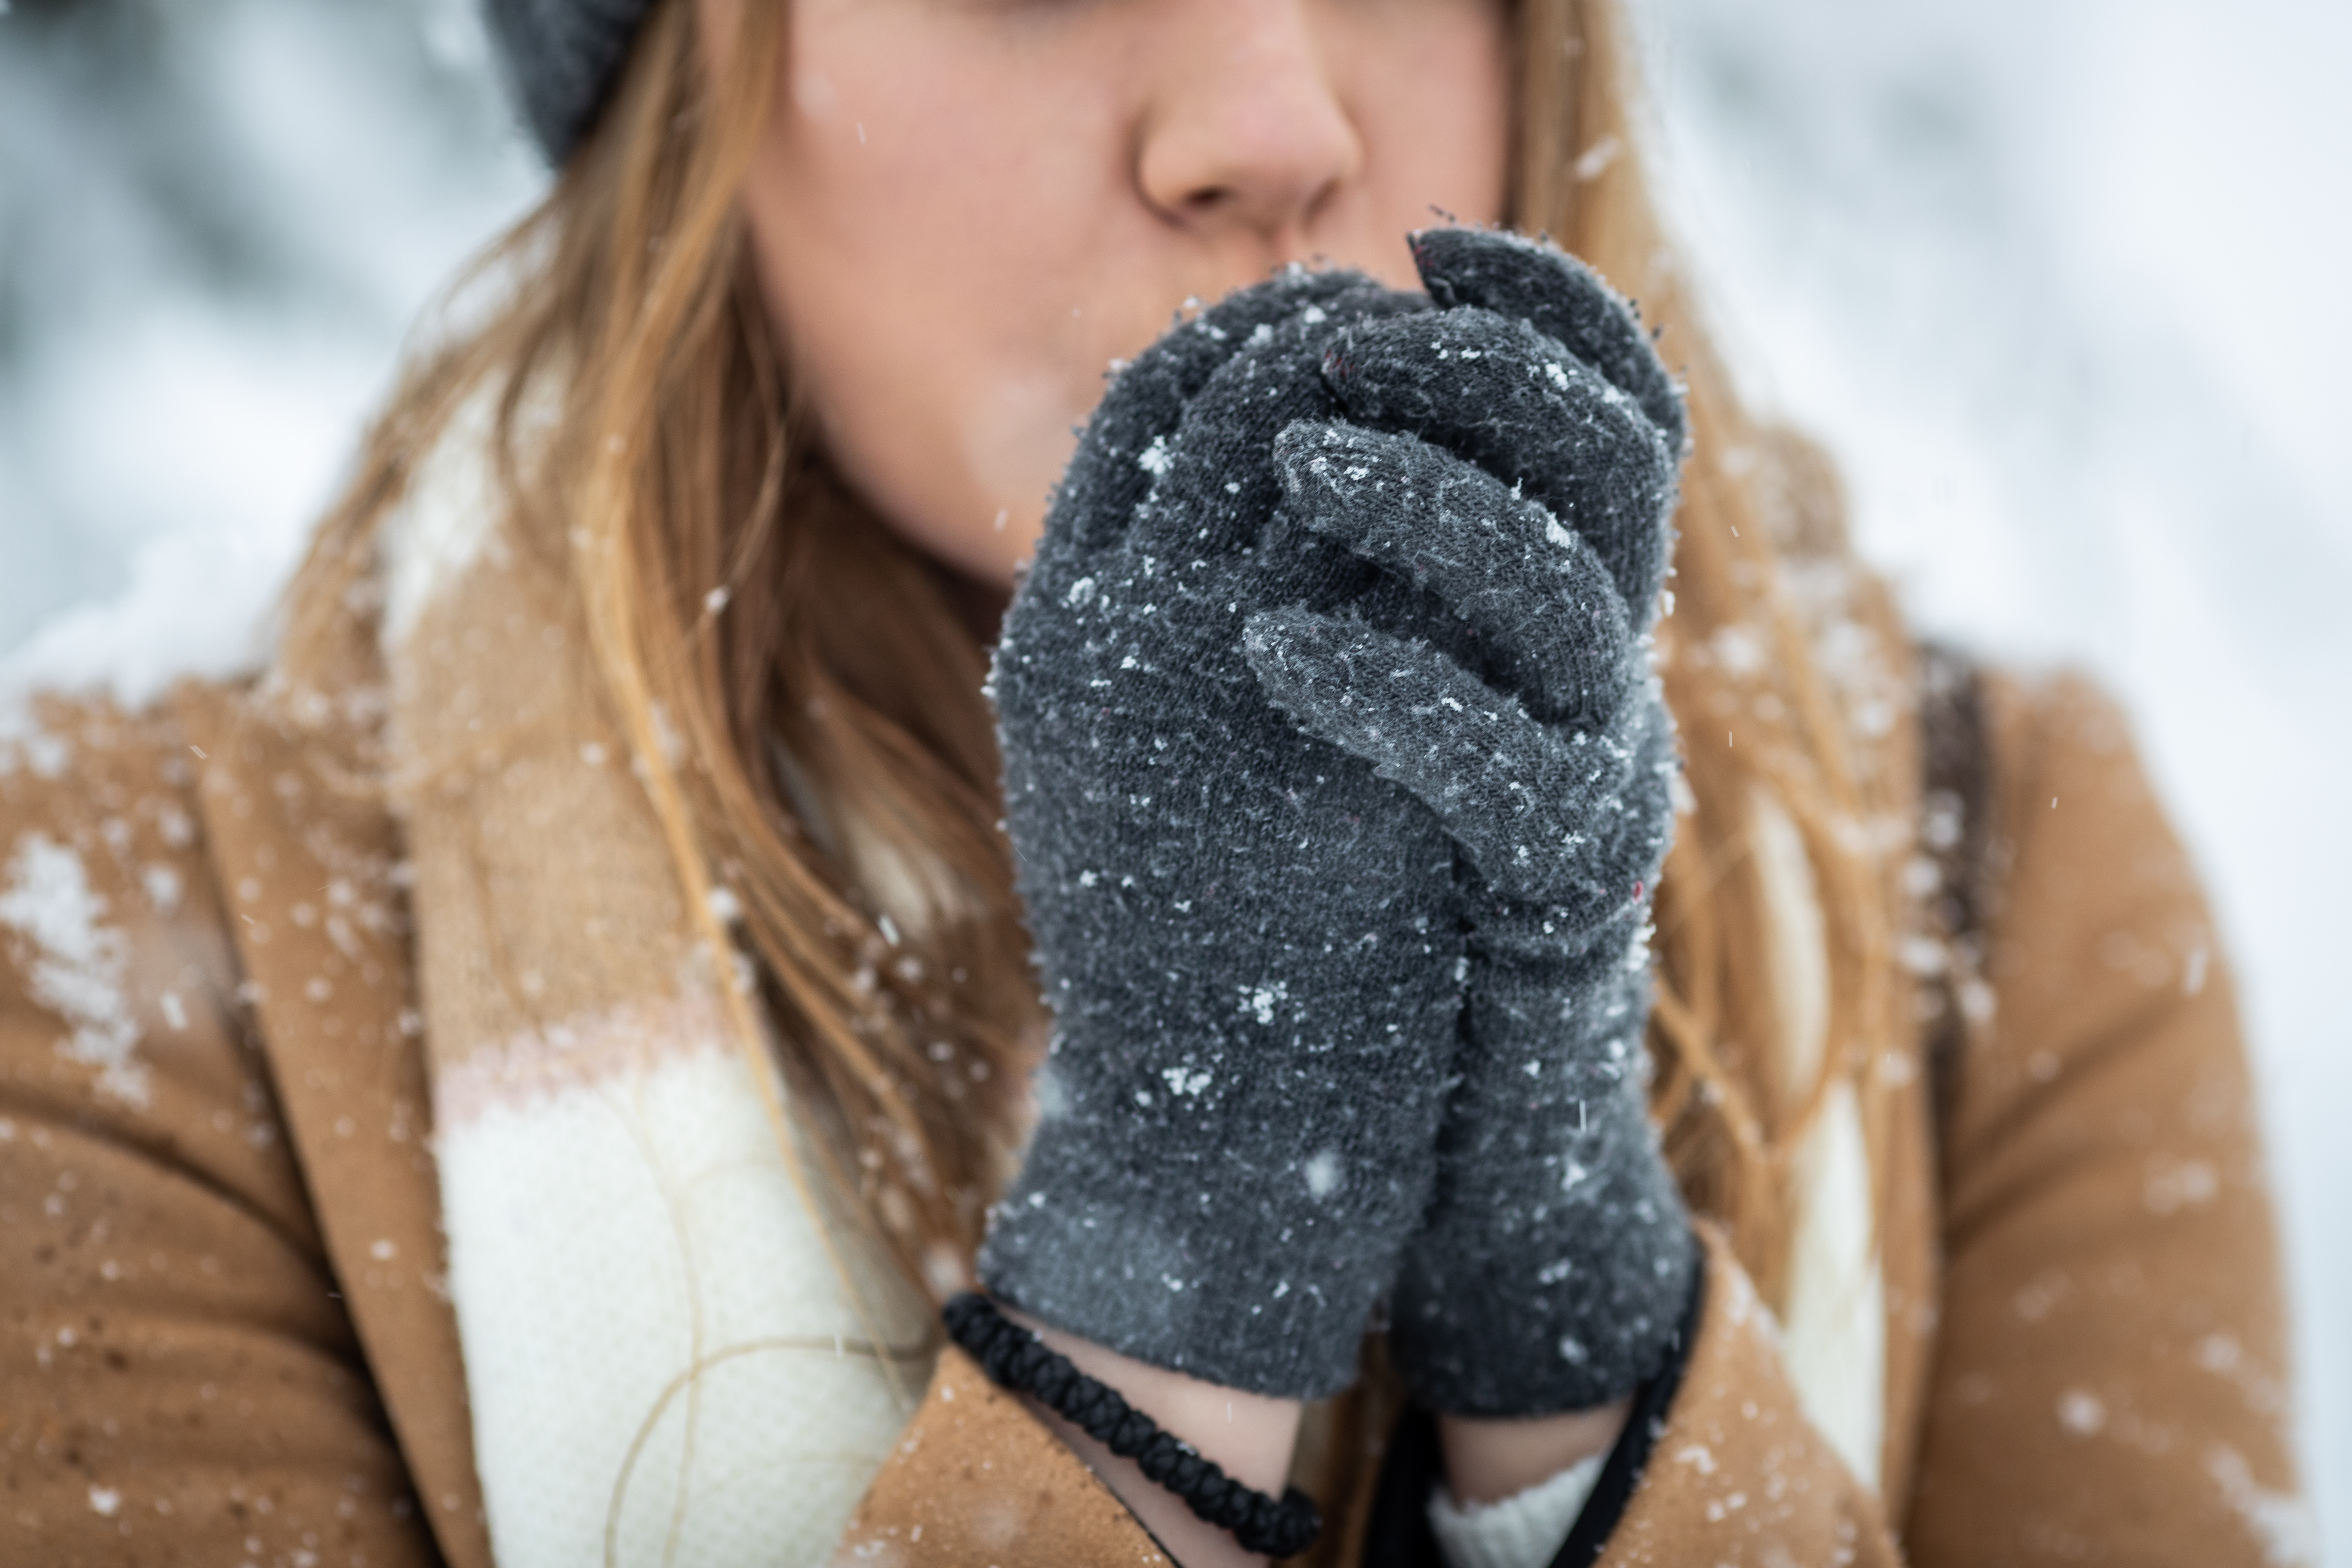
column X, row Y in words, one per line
column 965, row 210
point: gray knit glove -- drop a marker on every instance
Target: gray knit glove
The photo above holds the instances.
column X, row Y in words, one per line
column 1516, row 455
column 1255, row 1010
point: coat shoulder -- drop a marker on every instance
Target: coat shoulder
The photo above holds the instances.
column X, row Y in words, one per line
column 2111, row 1364
column 115, row 950
column 170, row 1323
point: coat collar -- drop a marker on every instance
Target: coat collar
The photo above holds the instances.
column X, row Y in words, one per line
column 312, row 870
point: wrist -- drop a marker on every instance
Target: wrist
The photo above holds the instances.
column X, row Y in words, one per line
column 1488, row 1459
column 1248, row 1436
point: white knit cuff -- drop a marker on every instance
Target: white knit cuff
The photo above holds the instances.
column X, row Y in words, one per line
column 1525, row 1530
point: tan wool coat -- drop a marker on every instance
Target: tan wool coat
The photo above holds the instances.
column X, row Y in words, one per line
column 225, row 1336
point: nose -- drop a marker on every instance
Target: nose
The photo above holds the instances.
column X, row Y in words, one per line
column 1245, row 135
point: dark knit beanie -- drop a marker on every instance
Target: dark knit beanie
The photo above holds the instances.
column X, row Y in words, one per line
column 561, row 57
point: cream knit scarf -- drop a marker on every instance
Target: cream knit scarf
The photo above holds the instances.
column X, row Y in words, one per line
column 664, row 1363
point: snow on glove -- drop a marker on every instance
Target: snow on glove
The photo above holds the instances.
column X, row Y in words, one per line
column 1254, row 1009
column 1515, row 456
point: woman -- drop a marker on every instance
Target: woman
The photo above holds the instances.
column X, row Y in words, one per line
column 521, row 1078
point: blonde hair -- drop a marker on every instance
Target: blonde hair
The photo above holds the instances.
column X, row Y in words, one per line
column 838, row 772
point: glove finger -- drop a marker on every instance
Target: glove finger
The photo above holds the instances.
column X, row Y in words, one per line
column 1556, row 819
column 1503, row 396
column 1213, row 484
column 1547, row 618
column 1538, row 283
column 1108, row 479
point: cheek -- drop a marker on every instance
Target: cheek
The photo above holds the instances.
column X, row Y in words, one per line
column 920, row 239
column 1430, row 93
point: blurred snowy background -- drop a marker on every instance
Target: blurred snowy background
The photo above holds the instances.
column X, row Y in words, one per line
column 2061, row 286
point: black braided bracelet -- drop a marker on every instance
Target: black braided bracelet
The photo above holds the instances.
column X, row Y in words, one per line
column 1016, row 1359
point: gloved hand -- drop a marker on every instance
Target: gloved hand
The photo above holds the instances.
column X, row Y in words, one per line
column 1517, row 455
column 1254, row 1001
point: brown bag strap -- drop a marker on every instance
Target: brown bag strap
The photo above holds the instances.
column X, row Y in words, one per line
column 1954, row 833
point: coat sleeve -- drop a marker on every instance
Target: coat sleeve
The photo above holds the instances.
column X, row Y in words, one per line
column 179, row 1381
column 1735, row 1475
column 976, row 1480
column 2111, row 1378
